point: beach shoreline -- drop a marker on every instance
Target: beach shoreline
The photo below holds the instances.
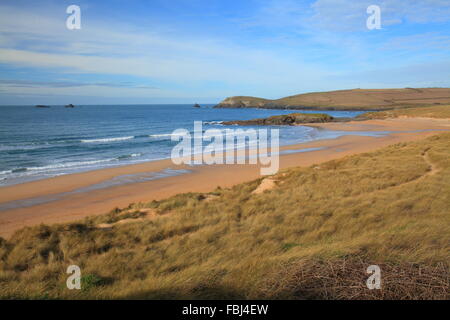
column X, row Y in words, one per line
column 203, row 178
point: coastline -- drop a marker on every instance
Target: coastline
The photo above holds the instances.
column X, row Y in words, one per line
column 201, row 178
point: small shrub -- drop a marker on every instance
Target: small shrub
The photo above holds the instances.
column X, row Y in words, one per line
column 290, row 245
column 89, row 281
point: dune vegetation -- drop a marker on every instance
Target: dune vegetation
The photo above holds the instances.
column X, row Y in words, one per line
column 310, row 235
column 442, row 112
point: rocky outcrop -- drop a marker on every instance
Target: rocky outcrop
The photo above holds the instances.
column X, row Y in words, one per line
column 42, row 106
column 288, row 119
column 197, row 105
column 242, row 102
column 70, row 106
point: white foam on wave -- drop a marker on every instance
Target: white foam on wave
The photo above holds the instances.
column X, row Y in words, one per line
column 163, row 135
column 19, row 147
column 70, row 164
column 127, row 156
column 67, row 165
column 213, row 122
column 107, row 139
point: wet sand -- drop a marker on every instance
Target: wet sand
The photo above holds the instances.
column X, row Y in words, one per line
column 72, row 206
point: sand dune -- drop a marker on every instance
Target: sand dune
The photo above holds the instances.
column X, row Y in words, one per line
column 202, row 178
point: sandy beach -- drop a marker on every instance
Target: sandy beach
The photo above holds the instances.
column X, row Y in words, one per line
column 64, row 205
column 193, row 153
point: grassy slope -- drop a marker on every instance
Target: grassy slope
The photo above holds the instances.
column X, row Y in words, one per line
column 442, row 112
column 312, row 236
column 361, row 99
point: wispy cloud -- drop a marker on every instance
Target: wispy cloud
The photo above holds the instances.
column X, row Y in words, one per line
column 345, row 15
column 68, row 84
column 272, row 48
column 106, row 50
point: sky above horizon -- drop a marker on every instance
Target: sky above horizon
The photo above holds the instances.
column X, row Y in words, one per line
column 201, row 51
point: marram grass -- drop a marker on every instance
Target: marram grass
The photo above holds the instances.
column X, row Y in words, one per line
column 310, row 237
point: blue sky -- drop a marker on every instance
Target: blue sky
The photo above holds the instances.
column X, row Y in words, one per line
column 186, row 51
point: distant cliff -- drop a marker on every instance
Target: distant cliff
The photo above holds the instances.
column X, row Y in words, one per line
column 355, row 99
column 243, row 102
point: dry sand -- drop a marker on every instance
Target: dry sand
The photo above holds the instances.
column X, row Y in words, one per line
column 202, row 178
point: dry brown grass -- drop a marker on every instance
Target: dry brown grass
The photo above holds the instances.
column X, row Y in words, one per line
column 438, row 112
column 345, row 278
column 355, row 99
column 311, row 237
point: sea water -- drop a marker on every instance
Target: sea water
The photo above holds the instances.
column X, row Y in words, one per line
column 37, row 143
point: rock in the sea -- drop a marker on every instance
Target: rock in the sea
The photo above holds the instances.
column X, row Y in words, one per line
column 42, row 106
column 70, row 106
column 287, row 119
column 197, row 105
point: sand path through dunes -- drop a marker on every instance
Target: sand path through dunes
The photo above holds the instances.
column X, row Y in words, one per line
column 433, row 168
column 266, row 184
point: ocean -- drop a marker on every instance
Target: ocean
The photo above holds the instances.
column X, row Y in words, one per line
column 37, row 143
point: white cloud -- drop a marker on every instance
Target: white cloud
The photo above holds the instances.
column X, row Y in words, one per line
column 127, row 50
column 351, row 15
column 431, row 74
column 68, row 84
column 345, row 15
column 38, row 39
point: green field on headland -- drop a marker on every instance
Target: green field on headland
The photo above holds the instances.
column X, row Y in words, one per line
column 355, row 99
column 442, row 112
